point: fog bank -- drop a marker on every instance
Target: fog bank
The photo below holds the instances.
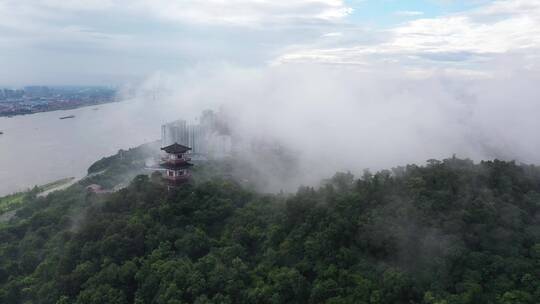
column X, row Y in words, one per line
column 349, row 119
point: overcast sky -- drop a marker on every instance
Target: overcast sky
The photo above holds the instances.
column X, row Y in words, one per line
column 114, row 41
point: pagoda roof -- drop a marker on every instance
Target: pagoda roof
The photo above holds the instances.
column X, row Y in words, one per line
column 176, row 148
column 175, row 166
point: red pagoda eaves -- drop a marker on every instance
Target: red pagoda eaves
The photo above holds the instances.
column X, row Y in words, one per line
column 176, row 164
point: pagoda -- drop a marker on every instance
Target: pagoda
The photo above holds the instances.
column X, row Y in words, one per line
column 176, row 164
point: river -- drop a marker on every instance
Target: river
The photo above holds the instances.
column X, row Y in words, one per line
column 40, row 148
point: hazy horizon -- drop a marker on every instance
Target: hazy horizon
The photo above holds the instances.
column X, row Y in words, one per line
column 367, row 84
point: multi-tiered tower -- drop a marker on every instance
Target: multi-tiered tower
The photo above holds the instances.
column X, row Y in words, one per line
column 176, row 163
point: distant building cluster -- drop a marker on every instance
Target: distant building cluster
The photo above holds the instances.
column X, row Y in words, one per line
column 209, row 139
column 33, row 99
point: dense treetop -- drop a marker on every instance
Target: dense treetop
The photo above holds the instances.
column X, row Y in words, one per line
column 448, row 232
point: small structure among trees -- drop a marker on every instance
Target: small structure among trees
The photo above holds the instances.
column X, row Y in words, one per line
column 176, row 164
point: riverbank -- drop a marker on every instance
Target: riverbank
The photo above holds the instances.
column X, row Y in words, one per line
column 11, row 114
column 38, row 99
column 13, row 201
column 57, row 185
column 70, row 146
column 110, row 173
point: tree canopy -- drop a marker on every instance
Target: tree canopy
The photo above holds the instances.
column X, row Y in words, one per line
column 450, row 232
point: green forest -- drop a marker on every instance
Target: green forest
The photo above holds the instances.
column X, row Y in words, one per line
column 448, row 232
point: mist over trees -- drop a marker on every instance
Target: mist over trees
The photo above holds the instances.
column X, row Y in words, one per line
column 340, row 119
column 450, row 232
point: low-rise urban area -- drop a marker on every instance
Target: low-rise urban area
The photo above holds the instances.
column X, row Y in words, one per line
column 34, row 99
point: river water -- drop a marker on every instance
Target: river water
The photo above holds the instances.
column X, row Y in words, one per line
column 40, row 148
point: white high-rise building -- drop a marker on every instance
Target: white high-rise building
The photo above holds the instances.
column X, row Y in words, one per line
column 204, row 139
column 172, row 132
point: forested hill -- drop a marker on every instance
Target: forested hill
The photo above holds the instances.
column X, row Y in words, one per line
column 449, row 232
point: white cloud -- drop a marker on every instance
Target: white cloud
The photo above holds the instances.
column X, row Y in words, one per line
column 245, row 12
column 511, row 7
column 148, row 35
column 333, row 34
column 91, row 20
column 502, row 27
column 259, row 31
column 233, row 12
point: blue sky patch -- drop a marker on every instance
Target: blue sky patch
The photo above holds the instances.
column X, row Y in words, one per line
column 387, row 13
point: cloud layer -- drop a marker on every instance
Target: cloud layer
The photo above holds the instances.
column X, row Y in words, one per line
column 342, row 119
column 105, row 41
column 204, row 12
column 465, row 40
